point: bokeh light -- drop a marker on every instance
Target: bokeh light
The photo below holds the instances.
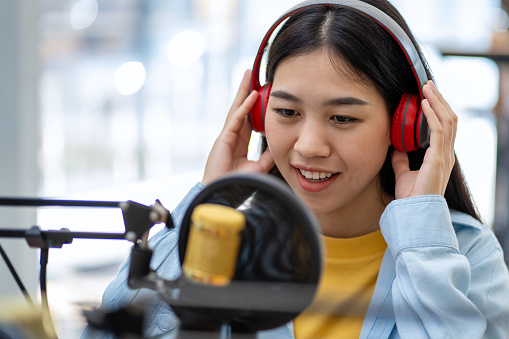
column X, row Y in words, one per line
column 130, row 77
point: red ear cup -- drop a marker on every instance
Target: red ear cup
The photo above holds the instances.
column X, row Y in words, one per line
column 407, row 116
column 257, row 114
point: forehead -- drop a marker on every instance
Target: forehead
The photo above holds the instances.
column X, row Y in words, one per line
column 319, row 68
column 329, row 63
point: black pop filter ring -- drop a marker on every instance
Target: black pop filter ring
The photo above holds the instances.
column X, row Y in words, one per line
column 280, row 245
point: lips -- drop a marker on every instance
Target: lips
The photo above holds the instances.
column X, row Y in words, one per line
column 315, row 181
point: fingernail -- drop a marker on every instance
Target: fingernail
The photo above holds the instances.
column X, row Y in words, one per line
column 432, row 84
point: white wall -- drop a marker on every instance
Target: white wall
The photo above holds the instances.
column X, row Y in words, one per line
column 19, row 137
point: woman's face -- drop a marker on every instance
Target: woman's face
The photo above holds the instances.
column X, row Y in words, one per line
column 328, row 133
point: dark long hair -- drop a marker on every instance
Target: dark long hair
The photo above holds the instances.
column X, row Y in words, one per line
column 372, row 54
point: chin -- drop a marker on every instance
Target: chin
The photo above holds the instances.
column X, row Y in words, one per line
column 315, row 204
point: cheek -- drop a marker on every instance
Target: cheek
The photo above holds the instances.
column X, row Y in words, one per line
column 273, row 139
column 278, row 140
column 271, row 131
column 379, row 132
column 371, row 146
column 381, row 144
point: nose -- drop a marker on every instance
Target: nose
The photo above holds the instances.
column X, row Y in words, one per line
column 312, row 141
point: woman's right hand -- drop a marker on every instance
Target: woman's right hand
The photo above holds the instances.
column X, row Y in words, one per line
column 229, row 153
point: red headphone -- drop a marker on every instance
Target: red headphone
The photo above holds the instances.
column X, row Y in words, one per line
column 409, row 129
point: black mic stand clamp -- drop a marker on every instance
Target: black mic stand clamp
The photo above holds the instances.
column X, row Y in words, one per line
column 138, row 219
column 36, row 238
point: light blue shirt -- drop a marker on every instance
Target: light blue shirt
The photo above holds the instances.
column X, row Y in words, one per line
column 443, row 276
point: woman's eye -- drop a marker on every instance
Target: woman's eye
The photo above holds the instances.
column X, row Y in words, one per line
column 288, row 113
column 339, row 119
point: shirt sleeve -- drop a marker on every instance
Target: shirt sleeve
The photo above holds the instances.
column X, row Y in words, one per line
column 165, row 260
column 440, row 292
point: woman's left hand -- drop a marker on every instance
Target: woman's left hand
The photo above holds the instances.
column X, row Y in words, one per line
column 433, row 176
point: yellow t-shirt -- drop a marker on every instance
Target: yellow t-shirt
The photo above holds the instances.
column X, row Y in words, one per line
column 348, row 280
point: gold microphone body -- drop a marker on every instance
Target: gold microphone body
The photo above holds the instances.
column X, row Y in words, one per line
column 213, row 244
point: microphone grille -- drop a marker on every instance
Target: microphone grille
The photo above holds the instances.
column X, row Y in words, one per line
column 213, row 244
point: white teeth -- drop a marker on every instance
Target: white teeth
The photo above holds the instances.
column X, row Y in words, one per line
column 315, row 175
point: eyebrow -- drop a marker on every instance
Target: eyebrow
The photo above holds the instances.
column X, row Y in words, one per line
column 340, row 101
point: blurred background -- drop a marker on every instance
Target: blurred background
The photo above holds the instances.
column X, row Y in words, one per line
column 123, row 99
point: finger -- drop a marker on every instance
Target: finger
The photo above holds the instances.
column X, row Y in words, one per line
column 442, row 107
column 441, row 98
column 238, row 117
column 242, row 93
column 435, row 126
column 266, row 161
column 447, row 106
column 437, row 156
column 435, row 102
column 400, row 163
column 448, row 120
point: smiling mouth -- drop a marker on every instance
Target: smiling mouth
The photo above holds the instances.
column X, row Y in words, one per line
column 316, row 176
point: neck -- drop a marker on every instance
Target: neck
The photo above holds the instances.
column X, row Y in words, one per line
column 358, row 218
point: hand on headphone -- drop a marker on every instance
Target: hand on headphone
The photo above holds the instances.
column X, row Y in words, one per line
column 229, row 152
column 433, row 176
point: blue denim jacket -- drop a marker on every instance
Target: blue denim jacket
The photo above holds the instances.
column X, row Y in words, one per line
column 442, row 276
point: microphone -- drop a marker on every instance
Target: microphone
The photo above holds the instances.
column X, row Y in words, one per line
column 214, row 240
column 19, row 321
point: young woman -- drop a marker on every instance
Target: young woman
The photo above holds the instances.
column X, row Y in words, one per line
column 406, row 253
